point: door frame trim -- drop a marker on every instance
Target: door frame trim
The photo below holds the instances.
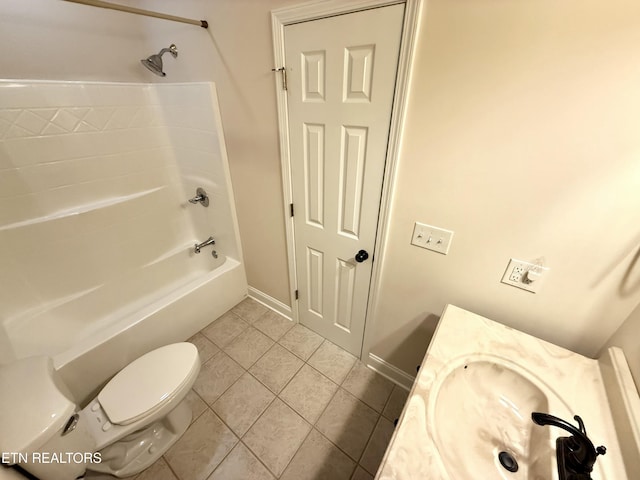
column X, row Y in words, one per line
column 326, row 8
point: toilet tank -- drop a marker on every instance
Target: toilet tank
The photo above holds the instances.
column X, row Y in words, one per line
column 35, row 408
column 34, row 404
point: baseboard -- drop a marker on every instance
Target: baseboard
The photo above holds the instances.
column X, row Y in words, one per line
column 387, row 370
column 270, row 302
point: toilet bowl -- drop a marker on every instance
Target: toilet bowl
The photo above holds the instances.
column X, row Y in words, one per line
column 134, row 419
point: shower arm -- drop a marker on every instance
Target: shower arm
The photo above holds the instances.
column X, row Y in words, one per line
column 172, row 50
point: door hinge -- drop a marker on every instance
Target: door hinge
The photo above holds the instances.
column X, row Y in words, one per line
column 296, row 294
column 291, row 208
column 284, row 76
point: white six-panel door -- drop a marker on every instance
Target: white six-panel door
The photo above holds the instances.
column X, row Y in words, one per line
column 341, row 78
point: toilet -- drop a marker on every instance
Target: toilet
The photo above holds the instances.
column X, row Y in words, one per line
column 134, row 419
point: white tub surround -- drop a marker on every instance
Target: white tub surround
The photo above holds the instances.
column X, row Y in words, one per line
column 474, row 395
column 96, row 232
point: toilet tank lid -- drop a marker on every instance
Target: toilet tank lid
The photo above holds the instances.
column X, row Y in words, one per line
column 148, row 382
column 32, row 406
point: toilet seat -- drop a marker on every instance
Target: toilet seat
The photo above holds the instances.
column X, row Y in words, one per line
column 148, row 383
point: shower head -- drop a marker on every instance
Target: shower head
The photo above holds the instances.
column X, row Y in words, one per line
column 154, row 62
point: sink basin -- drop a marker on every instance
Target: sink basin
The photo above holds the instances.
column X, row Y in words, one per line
column 473, row 397
column 481, row 407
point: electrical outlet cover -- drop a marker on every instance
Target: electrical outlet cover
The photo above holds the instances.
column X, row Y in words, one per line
column 517, row 275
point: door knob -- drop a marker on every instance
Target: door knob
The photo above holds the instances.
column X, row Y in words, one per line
column 361, row 256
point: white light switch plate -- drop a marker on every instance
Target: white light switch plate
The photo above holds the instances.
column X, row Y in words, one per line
column 431, row 238
column 524, row 275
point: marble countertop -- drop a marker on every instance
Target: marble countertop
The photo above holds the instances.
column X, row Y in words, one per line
column 461, row 335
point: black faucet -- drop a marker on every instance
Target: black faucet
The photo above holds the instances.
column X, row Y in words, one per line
column 576, row 454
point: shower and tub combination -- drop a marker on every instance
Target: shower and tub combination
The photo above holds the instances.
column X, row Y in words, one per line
column 118, row 231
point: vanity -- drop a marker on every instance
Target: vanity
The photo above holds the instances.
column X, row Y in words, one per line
column 469, row 413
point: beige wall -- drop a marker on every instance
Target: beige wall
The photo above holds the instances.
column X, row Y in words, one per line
column 521, row 136
column 57, row 40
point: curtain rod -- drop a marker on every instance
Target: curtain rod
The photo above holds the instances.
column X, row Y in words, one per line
column 139, row 11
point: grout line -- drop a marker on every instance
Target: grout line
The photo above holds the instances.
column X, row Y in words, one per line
column 325, row 407
column 296, row 355
column 252, row 425
column 314, row 351
column 260, row 357
column 342, row 451
column 259, row 416
column 279, row 337
column 332, row 381
column 228, row 453
column 362, row 400
column 297, row 450
column 349, row 373
column 167, row 464
column 232, row 384
column 203, row 401
column 369, row 440
column 374, row 427
column 288, row 381
column 219, row 346
column 406, row 399
column 259, row 459
column 238, row 438
column 211, row 358
column 357, row 462
column 387, row 401
column 245, row 371
column 277, row 396
column 259, row 316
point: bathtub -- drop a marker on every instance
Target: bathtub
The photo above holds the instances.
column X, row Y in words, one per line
column 175, row 303
column 176, row 316
column 96, row 232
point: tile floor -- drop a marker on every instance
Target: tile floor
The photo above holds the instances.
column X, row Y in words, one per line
column 275, row 400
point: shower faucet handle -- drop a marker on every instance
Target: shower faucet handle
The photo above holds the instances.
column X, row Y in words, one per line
column 201, row 197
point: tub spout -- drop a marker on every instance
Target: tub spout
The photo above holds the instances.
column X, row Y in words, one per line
column 208, row 241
